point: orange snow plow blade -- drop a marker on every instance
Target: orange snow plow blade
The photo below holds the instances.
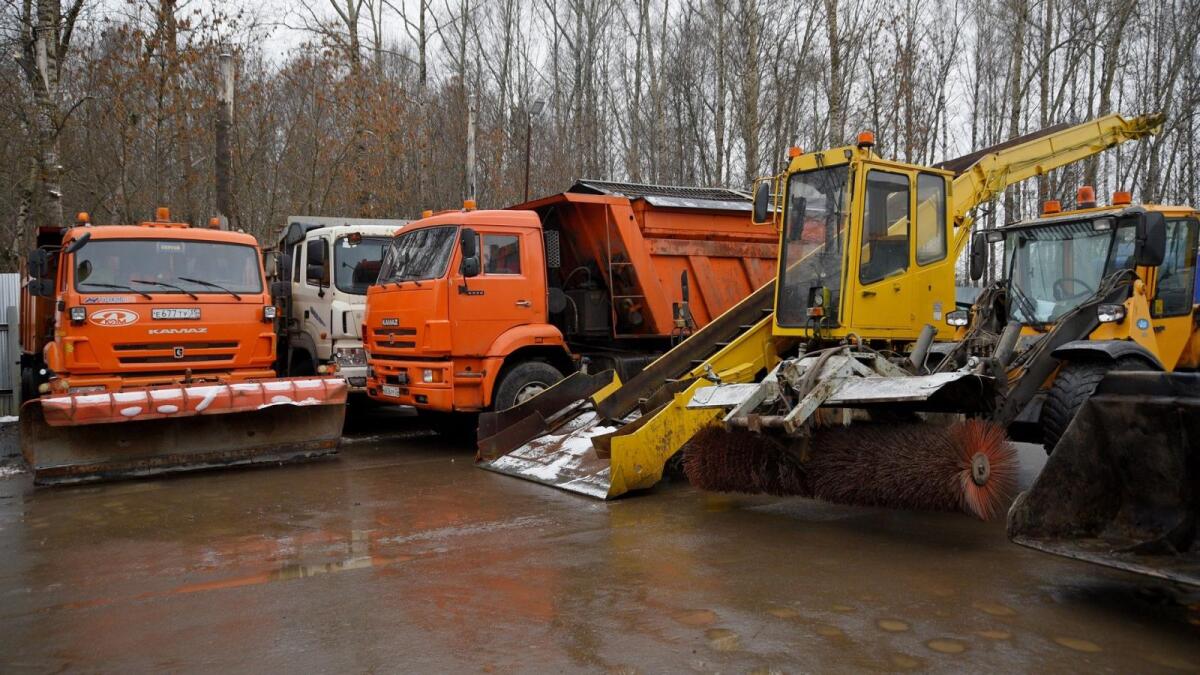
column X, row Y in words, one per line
column 87, row 437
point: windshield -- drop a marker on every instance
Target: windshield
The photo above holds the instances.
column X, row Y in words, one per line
column 418, row 254
column 357, row 264
column 167, row 266
column 1053, row 269
column 811, row 263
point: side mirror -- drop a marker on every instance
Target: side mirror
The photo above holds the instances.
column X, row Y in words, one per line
column 762, row 201
column 1151, row 240
column 281, row 290
column 37, row 263
column 316, row 256
column 78, row 242
column 979, row 255
column 41, row 288
column 468, row 245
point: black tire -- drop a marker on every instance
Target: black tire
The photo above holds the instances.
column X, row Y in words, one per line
column 1075, row 383
column 523, row 381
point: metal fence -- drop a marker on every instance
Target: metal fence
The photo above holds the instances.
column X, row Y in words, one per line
column 10, row 300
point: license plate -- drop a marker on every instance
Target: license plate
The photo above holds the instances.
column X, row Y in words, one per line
column 391, row 390
column 175, row 313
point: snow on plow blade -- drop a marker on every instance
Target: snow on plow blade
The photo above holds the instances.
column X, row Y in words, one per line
column 1122, row 487
column 87, row 437
column 548, row 439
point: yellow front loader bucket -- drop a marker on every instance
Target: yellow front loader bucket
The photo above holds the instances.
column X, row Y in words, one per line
column 89, row 437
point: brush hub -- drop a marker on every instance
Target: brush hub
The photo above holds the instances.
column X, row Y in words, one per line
column 981, row 469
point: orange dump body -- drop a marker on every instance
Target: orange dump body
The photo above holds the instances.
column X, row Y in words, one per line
column 151, row 324
column 596, row 272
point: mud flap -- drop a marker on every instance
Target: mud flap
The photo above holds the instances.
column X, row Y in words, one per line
column 72, row 439
column 1122, row 487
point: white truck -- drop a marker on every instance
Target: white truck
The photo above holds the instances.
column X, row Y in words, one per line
column 322, row 268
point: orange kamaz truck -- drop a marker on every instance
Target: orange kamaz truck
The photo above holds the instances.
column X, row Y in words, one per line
column 478, row 310
column 149, row 348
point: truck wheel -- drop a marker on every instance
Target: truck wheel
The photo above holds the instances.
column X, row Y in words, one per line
column 1075, row 383
column 523, row 382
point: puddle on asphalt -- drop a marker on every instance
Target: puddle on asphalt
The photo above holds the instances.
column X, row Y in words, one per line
column 783, row 612
column 722, row 639
column 842, row 609
column 1078, row 644
column 905, row 662
column 1173, row 662
column 893, row 625
column 946, row 646
column 994, row 608
column 825, row 630
column 696, row 617
column 994, row 634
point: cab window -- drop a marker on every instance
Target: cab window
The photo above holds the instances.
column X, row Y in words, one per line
column 885, row 227
column 931, row 218
column 1175, row 290
column 501, row 254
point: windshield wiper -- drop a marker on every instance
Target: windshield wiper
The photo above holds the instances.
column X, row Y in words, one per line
column 1026, row 307
column 210, row 285
column 164, row 284
column 119, row 287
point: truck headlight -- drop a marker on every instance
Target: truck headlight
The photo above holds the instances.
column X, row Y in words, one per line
column 958, row 317
column 350, row 356
column 1110, row 313
column 78, row 314
column 269, row 312
column 427, row 375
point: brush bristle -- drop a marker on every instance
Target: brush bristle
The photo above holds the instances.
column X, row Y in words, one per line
column 906, row 465
column 742, row 461
column 977, row 437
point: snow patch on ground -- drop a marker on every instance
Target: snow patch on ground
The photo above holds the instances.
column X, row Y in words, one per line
column 8, row 419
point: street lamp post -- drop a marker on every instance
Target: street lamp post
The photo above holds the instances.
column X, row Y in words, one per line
column 532, row 112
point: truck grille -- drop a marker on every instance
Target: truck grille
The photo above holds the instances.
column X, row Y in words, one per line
column 386, row 337
column 193, row 352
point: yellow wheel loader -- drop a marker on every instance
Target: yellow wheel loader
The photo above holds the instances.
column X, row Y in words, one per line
column 865, row 279
column 1093, row 329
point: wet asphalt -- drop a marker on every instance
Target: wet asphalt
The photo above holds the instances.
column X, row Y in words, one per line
column 399, row 555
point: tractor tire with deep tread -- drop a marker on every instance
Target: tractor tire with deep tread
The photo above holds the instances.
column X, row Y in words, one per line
column 523, row 381
column 1076, row 382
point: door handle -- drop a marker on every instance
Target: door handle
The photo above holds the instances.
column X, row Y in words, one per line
column 867, row 294
column 524, row 303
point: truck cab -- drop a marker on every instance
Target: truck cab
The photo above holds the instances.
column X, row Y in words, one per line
column 459, row 314
column 1095, row 289
column 323, row 270
column 114, row 307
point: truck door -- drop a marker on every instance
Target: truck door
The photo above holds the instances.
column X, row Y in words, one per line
column 884, row 289
column 509, row 291
column 309, row 294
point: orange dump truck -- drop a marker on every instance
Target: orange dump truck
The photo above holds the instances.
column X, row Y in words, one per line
column 478, row 310
column 149, row 348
